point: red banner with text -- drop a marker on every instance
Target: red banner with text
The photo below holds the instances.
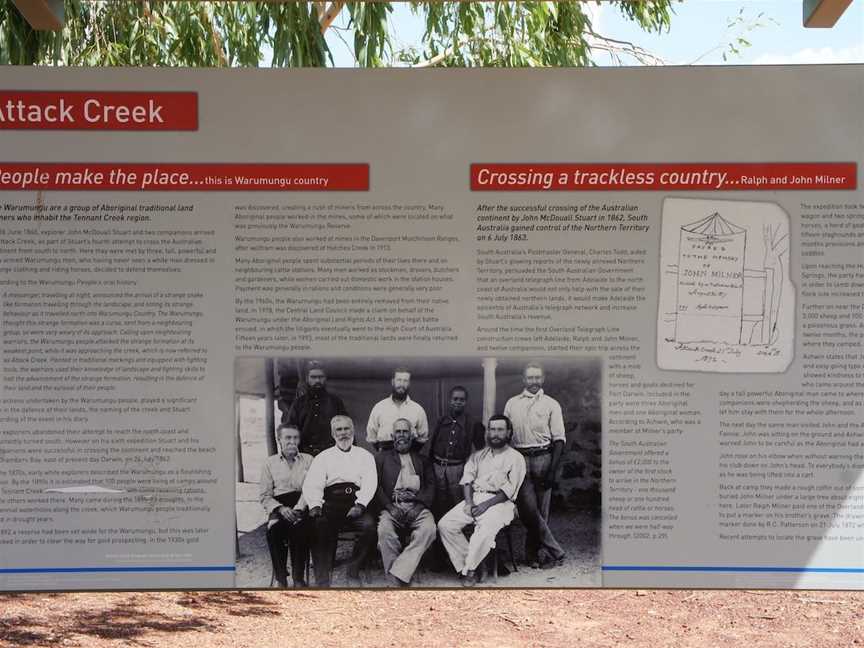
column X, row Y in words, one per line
column 183, row 177
column 138, row 111
column 757, row 176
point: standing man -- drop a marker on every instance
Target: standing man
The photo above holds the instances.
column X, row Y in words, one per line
column 341, row 482
column 379, row 429
column 313, row 409
column 406, row 487
column 538, row 433
column 490, row 483
column 455, row 436
column 280, row 487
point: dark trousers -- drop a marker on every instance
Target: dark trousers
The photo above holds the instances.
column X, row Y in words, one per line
column 448, row 493
column 282, row 536
column 326, row 530
column 530, row 503
column 448, row 490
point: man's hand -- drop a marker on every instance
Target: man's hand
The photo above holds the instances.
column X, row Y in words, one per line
column 479, row 509
column 404, row 495
column 354, row 512
column 549, row 480
column 299, row 514
column 469, row 507
column 288, row 514
column 315, row 512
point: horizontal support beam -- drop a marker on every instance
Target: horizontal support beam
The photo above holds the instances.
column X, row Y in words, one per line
column 43, row 15
column 824, row 13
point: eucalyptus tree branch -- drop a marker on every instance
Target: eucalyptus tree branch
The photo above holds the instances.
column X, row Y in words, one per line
column 330, row 14
column 617, row 47
column 215, row 40
column 338, row 31
column 450, row 51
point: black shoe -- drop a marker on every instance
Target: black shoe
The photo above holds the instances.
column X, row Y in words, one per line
column 395, row 581
column 469, row 579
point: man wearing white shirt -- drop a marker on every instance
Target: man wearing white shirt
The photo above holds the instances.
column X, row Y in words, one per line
column 538, row 433
column 282, row 477
column 398, row 405
column 341, row 482
column 490, row 483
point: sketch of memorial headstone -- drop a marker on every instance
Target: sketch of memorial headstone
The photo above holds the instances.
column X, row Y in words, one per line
column 726, row 300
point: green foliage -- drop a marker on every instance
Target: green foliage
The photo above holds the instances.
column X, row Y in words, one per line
column 161, row 33
column 740, row 26
column 20, row 45
column 521, row 34
column 219, row 34
column 371, row 33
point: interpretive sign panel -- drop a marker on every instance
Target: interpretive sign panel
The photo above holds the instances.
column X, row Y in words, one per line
column 555, row 328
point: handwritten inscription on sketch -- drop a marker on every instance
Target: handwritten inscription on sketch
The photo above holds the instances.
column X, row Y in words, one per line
column 710, row 281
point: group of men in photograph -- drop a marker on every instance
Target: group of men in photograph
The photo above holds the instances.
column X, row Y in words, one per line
column 418, row 485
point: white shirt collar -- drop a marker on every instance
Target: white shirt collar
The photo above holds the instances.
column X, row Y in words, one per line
column 528, row 394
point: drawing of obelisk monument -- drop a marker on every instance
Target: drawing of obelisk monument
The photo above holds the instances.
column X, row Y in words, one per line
column 710, row 298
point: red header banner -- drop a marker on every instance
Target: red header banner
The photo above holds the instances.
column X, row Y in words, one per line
column 780, row 176
column 135, row 111
column 183, row 177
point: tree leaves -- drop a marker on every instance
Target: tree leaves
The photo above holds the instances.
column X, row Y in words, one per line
column 19, row 44
column 507, row 34
column 297, row 39
column 371, row 32
column 220, row 34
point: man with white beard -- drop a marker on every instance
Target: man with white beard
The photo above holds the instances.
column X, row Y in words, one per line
column 341, row 482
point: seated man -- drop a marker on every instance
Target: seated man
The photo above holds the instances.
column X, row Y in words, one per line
column 341, row 482
column 491, row 481
column 406, row 488
column 281, row 481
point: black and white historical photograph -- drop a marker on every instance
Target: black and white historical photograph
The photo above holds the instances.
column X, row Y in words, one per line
column 418, row 471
